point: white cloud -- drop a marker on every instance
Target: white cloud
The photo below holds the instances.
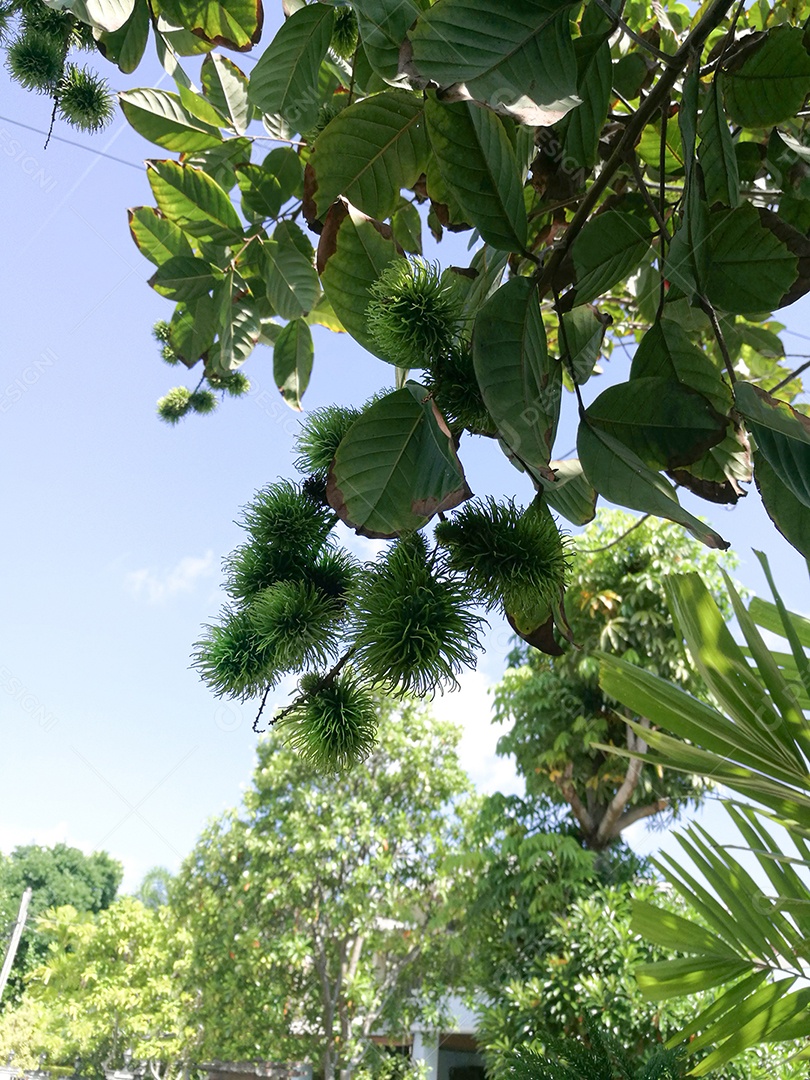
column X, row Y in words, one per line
column 156, row 587
column 471, row 708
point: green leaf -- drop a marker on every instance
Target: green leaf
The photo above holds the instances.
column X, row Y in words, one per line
column 407, row 226
column 749, row 269
column 477, row 162
column 649, row 148
column 370, row 151
column 782, row 434
column 292, row 362
column 261, row 192
column 285, row 80
column 665, row 423
column 285, row 165
column 773, row 1007
column 515, row 55
column 771, row 82
column 607, row 251
column 580, row 340
column 159, row 116
column 107, row 15
column 239, row 327
column 125, row 46
column 352, row 254
column 571, row 494
column 583, row 125
column 789, row 515
column 675, row 933
column 225, row 87
column 183, row 277
column 220, row 161
column 520, row 384
column 667, row 352
column 672, row 978
column 157, row 238
column 396, row 467
column 234, row 24
column 193, row 201
column 620, row 476
column 383, row 25
column 192, row 330
column 292, row 283
column 716, row 152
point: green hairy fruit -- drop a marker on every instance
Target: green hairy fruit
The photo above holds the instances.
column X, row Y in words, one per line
column 511, row 557
column 85, row 100
column 36, row 61
column 415, row 630
column 174, row 406
column 232, row 658
column 456, row 392
column 334, row 726
column 202, row 401
column 414, row 316
column 321, row 434
column 293, row 620
column 344, row 33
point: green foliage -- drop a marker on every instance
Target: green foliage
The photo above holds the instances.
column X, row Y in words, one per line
column 616, row 602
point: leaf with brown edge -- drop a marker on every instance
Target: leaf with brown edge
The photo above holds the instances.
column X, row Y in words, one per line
column 541, row 637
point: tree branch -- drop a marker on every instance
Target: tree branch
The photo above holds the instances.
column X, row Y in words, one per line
column 607, row 826
column 568, row 792
column 636, row 813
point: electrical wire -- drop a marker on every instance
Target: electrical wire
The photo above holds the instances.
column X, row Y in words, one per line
column 70, row 142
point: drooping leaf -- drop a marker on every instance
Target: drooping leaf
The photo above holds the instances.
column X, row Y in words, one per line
column 383, row 27
column 749, row 269
column 183, row 277
column 666, row 424
column 352, row 254
column 226, row 88
column 789, row 514
column 157, row 238
column 477, row 162
column 396, row 467
column 407, row 226
column 716, row 152
column 285, row 80
column 370, row 151
column 583, row 125
column 666, row 351
column 193, row 201
column 772, row 80
column 520, row 384
column 125, row 46
column 234, row 24
column 160, row 117
column 580, row 341
column 607, row 251
column 239, row 330
column 782, row 434
column 192, row 330
column 620, row 476
column 292, row 283
column 571, row 494
column 292, row 361
column 515, row 55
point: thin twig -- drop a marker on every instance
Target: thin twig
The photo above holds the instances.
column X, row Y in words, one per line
column 53, row 121
column 266, row 694
column 721, row 341
column 618, row 21
column 789, row 378
column 301, row 699
column 618, row 540
column 645, row 191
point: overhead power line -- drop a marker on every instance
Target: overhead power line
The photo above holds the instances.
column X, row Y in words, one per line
column 71, row 142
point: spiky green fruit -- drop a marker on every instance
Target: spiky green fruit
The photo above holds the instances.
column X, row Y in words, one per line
column 296, row 623
column 321, row 434
column 233, row 659
column 335, row 725
column 202, row 401
column 85, row 100
column 161, row 331
column 414, row 316
column 344, row 33
column 169, row 356
column 36, row 61
column 509, row 556
column 174, row 405
column 416, row 631
column 455, row 390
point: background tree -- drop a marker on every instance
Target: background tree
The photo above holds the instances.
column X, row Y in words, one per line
column 58, row 875
column 110, row 982
column 322, row 911
column 616, row 603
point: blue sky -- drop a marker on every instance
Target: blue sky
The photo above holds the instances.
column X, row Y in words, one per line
column 115, row 524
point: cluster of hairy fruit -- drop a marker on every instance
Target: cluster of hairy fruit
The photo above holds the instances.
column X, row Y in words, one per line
column 39, row 40
column 180, row 401
column 407, row 623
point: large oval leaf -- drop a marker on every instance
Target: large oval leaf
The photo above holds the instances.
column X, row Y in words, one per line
column 571, row 494
column 161, row 118
column 292, row 283
column 515, row 55
column 665, row 423
column 621, row 477
column 234, row 24
column 789, row 515
column 285, row 80
column 157, row 238
column 772, row 81
column 193, row 201
column 383, row 25
column 750, row 270
column 782, row 434
column 520, row 384
column 183, row 278
column 225, row 87
column 352, row 254
column 125, row 46
column 370, row 151
column 292, row 362
column 396, row 467
column 607, row 251
column 478, row 163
